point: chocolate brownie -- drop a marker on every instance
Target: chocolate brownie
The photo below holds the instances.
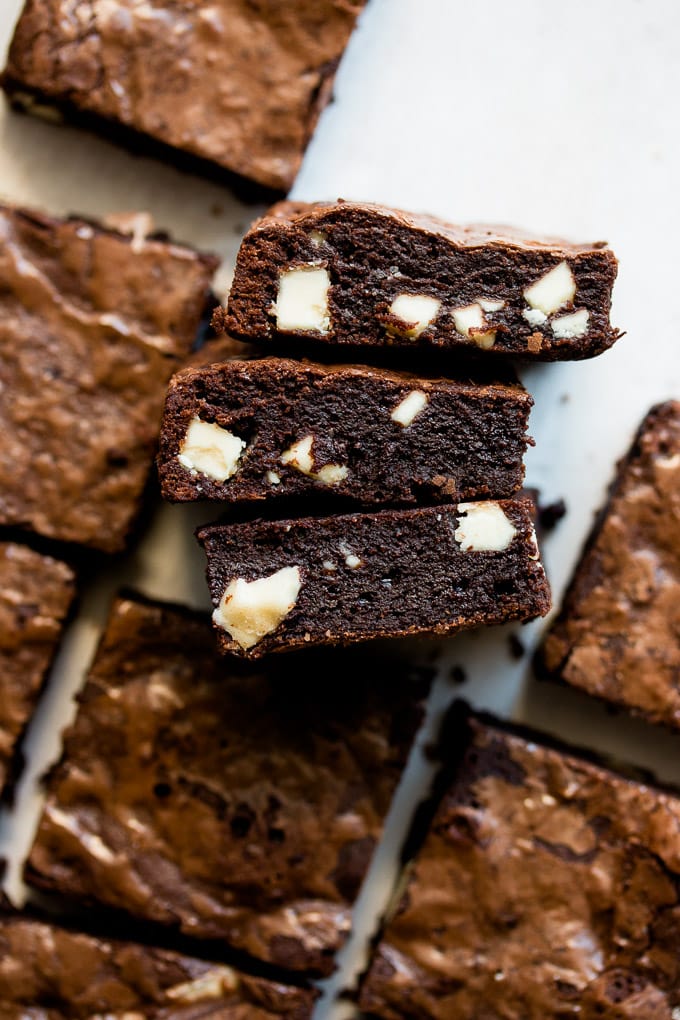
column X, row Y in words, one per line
column 617, row 634
column 281, row 585
column 548, row 886
column 92, row 326
column 251, row 431
column 366, row 276
column 232, row 85
column 51, row 972
column 36, row 592
column 241, row 807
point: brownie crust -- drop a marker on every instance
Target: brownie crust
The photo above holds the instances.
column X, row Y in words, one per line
column 355, row 577
column 366, row 276
column 389, row 438
column 55, row 973
column 617, row 633
column 233, row 84
column 239, row 807
column 548, row 886
column 36, row 593
column 93, row 325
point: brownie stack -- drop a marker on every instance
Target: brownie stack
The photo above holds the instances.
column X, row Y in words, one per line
column 399, row 490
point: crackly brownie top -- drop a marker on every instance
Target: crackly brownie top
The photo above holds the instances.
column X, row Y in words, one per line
column 35, row 594
column 231, row 81
column 48, row 973
column 92, row 326
column 242, row 807
column 617, row 635
column 547, row 887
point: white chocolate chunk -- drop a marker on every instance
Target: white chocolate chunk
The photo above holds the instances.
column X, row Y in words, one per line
column 416, row 312
column 534, row 316
column 273, row 478
column 249, row 610
column 409, row 408
column 210, row 450
column 206, row 987
column 483, row 527
column 470, row 322
column 553, row 290
column 351, row 560
column 317, row 236
column 490, row 306
column 302, row 301
column 299, row 456
column 572, row 326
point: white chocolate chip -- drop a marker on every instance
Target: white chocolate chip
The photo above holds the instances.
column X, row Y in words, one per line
column 302, row 301
column 534, row 316
column 471, row 323
column 249, row 610
column 553, row 290
column 299, row 456
column 273, row 478
column 490, row 306
column 409, row 408
column 317, row 237
column 206, row 987
column 572, row 326
column 329, row 565
column 483, row 527
column 416, row 312
column 351, row 559
column 210, row 450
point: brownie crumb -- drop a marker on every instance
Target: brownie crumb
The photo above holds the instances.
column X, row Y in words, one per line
column 516, row 646
column 551, row 514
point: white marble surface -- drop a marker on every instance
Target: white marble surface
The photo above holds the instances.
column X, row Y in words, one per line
column 555, row 117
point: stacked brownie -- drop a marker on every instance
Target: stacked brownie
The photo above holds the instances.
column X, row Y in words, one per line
column 412, row 478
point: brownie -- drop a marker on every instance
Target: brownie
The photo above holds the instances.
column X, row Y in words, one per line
column 51, row 972
column 243, row 807
column 232, row 86
column 93, row 324
column 617, row 633
column 281, row 585
column 548, row 886
column 36, row 592
column 365, row 276
column 263, row 430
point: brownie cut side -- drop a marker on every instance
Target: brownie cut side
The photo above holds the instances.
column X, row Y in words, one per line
column 232, row 85
column 366, row 276
column 52, row 972
column 93, row 324
column 236, row 806
column 281, row 585
column 617, row 633
column 254, row 431
column 36, row 593
column 548, row 886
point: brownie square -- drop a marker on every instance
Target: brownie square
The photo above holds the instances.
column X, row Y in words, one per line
column 36, row 592
column 278, row 586
column 51, row 972
column 617, row 635
column 243, row 807
column 548, row 886
column 232, row 84
column 370, row 278
column 92, row 326
column 276, row 429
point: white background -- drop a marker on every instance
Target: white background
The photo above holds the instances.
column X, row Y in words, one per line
column 554, row 117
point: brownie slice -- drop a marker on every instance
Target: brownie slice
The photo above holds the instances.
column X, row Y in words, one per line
column 366, row 276
column 92, row 326
column 239, row 807
column 548, row 886
column 281, row 585
column 231, row 86
column 262, row 430
column 617, row 634
column 51, row 972
column 36, row 592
